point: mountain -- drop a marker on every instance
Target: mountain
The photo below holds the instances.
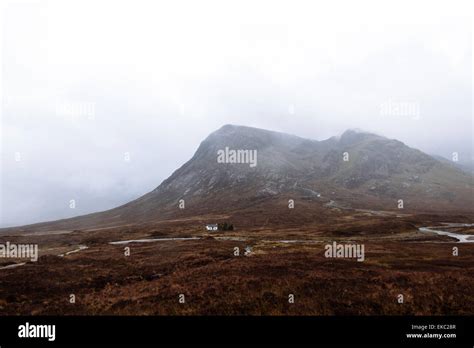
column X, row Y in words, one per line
column 357, row 169
column 466, row 166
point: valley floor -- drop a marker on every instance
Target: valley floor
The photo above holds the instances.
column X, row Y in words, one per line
column 282, row 265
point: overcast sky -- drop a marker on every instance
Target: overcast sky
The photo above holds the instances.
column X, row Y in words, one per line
column 103, row 100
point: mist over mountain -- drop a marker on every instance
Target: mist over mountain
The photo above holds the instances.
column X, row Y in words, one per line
column 356, row 169
column 73, row 106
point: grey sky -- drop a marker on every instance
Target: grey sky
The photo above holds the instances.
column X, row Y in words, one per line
column 87, row 83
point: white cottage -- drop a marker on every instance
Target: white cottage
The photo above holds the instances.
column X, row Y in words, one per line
column 212, row 227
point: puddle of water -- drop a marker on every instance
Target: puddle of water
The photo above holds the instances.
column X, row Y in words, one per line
column 290, row 241
column 15, row 265
column 462, row 238
column 150, row 240
column 81, row 247
column 240, row 239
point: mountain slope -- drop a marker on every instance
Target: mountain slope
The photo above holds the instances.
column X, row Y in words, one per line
column 377, row 173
